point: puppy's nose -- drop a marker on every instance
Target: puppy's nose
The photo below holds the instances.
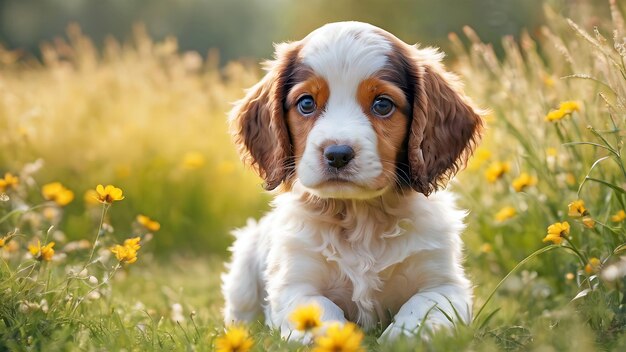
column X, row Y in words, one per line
column 338, row 155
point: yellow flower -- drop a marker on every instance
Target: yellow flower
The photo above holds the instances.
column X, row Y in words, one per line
column 496, row 170
column 338, row 338
column 108, row 194
column 593, row 266
column 9, row 181
column 565, row 108
column 505, row 213
column 552, row 152
column 57, row 193
column 569, row 106
column 619, row 216
column 306, row 317
column 589, row 222
column 148, row 223
column 235, row 339
column 127, row 253
column 524, row 180
column 3, row 241
column 193, row 160
column 481, row 155
column 486, row 248
column 42, row 253
column 577, row 209
column 557, row 232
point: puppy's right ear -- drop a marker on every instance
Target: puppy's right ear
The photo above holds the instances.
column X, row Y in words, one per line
column 258, row 123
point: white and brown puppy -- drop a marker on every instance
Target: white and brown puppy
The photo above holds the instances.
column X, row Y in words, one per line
column 357, row 131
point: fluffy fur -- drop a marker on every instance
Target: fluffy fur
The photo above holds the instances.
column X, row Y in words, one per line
column 372, row 242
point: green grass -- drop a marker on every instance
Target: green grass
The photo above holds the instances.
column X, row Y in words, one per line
column 151, row 120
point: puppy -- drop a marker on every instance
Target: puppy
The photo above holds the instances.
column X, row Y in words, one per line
column 358, row 134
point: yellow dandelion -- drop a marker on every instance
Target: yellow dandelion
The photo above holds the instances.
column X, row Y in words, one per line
column 557, row 232
column 569, row 106
column 127, row 253
column 42, row 253
column 589, row 222
column 555, row 115
column 235, row 339
column 8, row 181
column 148, row 223
column 523, row 181
column 619, row 216
column 496, row 170
column 577, row 209
column 193, row 160
column 306, row 317
column 552, row 152
column 505, row 213
column 108, row 194
column 338, row 338
column 57, row 193
column 593, row 266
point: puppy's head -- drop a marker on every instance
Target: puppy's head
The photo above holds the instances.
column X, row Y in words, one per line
column 351, row 111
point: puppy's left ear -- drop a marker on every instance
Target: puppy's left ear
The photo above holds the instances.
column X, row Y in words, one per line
column 258, row 123
column 445, row 126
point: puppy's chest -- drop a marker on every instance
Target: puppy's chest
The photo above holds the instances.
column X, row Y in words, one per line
column 363, row 268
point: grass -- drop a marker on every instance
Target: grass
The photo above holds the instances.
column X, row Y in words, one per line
column 151, row 120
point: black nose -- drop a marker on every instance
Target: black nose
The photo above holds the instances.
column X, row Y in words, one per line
column 338, row 155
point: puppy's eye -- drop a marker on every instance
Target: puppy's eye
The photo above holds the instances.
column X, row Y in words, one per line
column 383, row 106
column 306, row 105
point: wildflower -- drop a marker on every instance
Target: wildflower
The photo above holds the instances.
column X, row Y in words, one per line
column 3, row 241
column 565, row 109
column 569, row 276
column 9, row 181
column 338, row 338
column 553, row 152
column 569, row 106
column 481, row 155
column 496, row 170
column 577, row 209
column 108, row 194
column 619, row 216
column 57, row 193
column 524, row 180
column 593, row 266
column 557, row 232
column 505, row 213
column 127, row 253
column 486, row 248
column 589, row 222
column 306, row 317
column 193, row 160
column 42, row 253
column 148, row 223
column 235, row 339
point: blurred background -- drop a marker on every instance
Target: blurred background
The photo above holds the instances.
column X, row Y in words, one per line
column 135, row 93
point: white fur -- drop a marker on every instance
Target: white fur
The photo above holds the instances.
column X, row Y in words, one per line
column 344, row 54
column 368, row 255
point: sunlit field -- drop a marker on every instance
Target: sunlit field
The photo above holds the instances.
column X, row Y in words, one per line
column 136, row 265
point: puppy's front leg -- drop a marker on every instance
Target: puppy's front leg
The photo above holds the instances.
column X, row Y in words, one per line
column 427, row 308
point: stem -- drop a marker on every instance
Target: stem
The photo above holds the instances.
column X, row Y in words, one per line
column 119, row 265
column 493, row 292
column 105, row 207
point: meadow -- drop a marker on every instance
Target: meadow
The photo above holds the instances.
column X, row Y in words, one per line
column 137, row 265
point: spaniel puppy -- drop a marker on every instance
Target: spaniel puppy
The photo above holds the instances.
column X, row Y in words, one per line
column 358, row 133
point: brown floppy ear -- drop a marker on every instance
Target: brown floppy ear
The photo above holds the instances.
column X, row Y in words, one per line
column 258, row 124
column 445, row 127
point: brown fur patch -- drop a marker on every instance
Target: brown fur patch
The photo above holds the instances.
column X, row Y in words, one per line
column 444, row 128
column 258, row 122
column 300, row 126
column 391, row 131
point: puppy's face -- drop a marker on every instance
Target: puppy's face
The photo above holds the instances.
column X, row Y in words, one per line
column 350, row 111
